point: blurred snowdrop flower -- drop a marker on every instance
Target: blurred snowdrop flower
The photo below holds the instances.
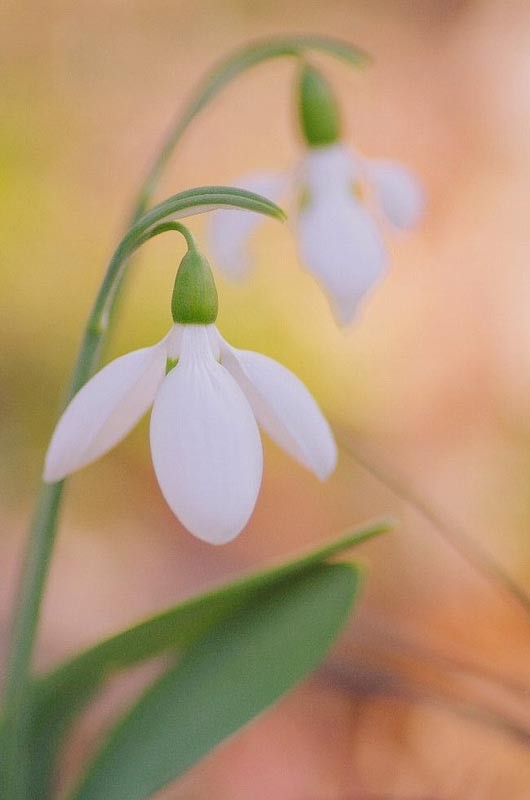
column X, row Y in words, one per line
column 205, row 444
column 343, row 205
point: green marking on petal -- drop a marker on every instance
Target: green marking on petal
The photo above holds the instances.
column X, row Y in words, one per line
column 304, row 198
column 171, row 363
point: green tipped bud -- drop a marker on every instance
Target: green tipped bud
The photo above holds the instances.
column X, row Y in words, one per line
column 194, row 300
column 319, row 112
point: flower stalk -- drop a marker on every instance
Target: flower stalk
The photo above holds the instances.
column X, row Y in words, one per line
column 43, row 530
column 41, row 539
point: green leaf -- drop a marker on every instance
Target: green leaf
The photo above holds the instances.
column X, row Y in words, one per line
column 234, row 672
column 62, row 694
column 179, row 626
column 186, row 204
column 206, row 198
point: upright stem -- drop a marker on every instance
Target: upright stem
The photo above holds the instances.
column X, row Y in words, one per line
column 44, row 527
column 36, row 566
column 13, row 780
column 35, row 570
column 26, row 618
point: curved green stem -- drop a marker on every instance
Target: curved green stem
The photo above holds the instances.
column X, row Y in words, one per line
column 44, row 527
column 223, row 74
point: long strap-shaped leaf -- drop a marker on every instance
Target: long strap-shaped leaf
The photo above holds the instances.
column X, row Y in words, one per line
column 234, row 672
column 62, row 694
column 179, row 626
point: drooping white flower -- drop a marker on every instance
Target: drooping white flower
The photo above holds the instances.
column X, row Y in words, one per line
column 343, row 206
column 205, row 443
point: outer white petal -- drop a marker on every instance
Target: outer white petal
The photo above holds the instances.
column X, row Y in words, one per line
column 229, row 231
column 205, row 444
column 341, row 246
column 284, row 408
column 399, row 192
column 105, row 410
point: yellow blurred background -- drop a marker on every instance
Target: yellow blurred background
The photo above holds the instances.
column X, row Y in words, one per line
column 424, row 697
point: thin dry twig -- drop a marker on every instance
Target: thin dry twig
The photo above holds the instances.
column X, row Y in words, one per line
column 454, row 535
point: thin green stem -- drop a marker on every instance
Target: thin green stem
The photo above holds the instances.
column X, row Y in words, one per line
column 224, row 73
column 26, row 618
column 41, row 541
column 44, row 527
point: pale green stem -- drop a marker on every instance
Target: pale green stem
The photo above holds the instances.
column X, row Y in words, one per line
column 42, row 535
column 225, row 72
column 44, row 527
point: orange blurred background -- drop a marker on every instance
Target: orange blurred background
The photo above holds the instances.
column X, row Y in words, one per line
column 426, row 695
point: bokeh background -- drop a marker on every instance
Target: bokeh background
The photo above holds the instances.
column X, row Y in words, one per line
column 426, row 695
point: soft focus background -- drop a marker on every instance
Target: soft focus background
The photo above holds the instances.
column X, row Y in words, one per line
column 424, row 697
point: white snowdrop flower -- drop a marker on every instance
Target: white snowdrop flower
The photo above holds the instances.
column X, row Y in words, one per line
column 205, row 443
column 344, row 204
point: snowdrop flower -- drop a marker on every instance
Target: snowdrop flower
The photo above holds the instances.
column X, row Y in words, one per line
column 344, row 205
column 205, row 444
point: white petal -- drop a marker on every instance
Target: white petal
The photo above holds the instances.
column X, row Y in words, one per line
column 328, row 168
column 173, row 341
column 399, row 192
column 284, row 408
column 229, row 231
column 205, row 444
column 341, row 246
column 105, row 410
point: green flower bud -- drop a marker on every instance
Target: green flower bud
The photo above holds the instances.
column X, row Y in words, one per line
column 194, row 300
column 319, row 113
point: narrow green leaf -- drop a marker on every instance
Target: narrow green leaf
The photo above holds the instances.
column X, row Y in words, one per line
column 179, row 626
column 62, row 694
column 234, row 672
column 205, row 198
column 50, row 726
column 178, row 206
column 195, row 201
